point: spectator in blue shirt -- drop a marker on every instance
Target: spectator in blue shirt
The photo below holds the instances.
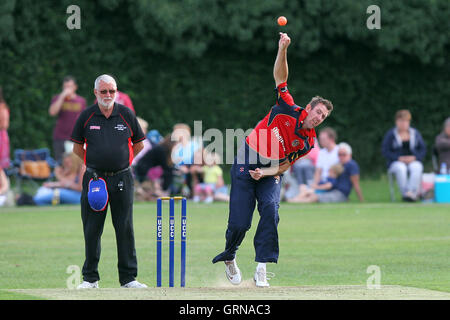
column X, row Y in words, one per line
column 338, row 190
column 187, row 155
column 404, row 150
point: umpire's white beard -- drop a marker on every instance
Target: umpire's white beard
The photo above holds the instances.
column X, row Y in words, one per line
column 106, row 103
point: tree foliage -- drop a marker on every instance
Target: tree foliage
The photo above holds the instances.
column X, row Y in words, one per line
column 212, row 60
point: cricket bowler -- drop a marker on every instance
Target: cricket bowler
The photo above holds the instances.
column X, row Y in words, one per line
column 284, row 135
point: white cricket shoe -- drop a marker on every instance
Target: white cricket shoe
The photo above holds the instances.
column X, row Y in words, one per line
column 261, row 278
column 134, row 285
column 232, row 271
column 88, row 285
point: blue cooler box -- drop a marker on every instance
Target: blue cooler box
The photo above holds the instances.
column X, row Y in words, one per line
column 442, row 188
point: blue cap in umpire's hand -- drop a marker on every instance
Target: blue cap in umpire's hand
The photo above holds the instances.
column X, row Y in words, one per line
column 97, row 194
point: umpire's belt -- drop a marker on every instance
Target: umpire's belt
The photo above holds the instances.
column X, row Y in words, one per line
column 105, row 173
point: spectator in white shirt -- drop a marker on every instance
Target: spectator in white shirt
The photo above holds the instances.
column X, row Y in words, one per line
column 328, row 155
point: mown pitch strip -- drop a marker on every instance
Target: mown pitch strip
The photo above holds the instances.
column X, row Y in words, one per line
column 351, row 292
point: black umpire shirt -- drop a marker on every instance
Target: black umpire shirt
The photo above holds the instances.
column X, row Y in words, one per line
column 109, row 141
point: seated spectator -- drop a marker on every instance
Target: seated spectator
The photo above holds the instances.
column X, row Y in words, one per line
column 212, row 179
column 327, row 154
column 404, row 150
column 6, row 195
column 156, row 166
column 333, row 173
column 304, row 168
column 68, row 185
column 146, row 142
column 222, row 194
column 442, row 145
column 187, row 155
column 339, row 189
column 301, row 173
column 154, row 137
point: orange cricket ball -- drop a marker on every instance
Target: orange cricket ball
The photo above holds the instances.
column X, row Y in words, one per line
column 282, row 20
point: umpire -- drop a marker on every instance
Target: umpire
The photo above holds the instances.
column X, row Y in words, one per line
column 112, row 138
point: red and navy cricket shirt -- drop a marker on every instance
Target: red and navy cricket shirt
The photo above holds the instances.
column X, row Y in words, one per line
column 280, row 135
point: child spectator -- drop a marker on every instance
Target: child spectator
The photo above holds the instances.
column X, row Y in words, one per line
column 333, row 173
column 212, row 179
column 345, row 182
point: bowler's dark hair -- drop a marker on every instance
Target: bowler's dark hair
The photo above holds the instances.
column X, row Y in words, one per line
column 327, row 103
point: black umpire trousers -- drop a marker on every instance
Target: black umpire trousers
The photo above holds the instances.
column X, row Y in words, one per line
column 120, row 191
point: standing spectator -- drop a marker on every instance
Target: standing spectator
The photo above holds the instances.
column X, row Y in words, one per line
column 68, row 185
column 442, row 145
column 123, row 98
column 67, row 106
column 404, row 150
column 327, row 155
column 113, row 137
column 4, row 138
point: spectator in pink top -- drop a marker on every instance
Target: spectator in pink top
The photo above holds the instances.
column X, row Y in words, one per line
column 67, row 106
column 4, row 138
column 303, row 169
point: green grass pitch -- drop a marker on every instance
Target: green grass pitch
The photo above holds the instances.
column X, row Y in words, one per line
column 320, row 245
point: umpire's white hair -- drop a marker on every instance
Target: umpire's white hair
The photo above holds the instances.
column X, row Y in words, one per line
column 105, row 78
column 346, row 147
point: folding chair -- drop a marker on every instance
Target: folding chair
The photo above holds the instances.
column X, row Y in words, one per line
column 391, row 178
column 435, row 159
column 34, row 166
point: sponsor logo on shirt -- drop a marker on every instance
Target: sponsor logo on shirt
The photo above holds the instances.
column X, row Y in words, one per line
column 279, row 137
column 94, row 127
column 120, row 127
